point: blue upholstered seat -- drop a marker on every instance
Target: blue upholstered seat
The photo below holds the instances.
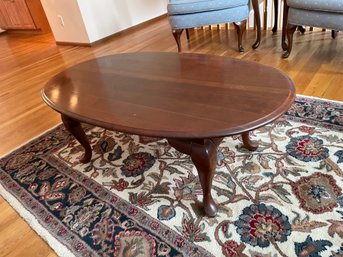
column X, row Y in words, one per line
column 315, row 13
column 194, row 6
column 192, row 20
column 185, row 14
column 317, row 5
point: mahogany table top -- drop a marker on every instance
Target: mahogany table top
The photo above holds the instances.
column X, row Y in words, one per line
column 171, row 95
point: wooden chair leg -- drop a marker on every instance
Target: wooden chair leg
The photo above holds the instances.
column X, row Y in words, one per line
column 257, row 22
column 290, row 31
column 311, row 28
column 187, row 34
column 301, row 29
column 177, row 35
column 334, row 33
column 276, row 10
column 265, row 14
column 284, row 26
column 240, row 27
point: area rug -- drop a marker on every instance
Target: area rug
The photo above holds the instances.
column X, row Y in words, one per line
column 140, row 197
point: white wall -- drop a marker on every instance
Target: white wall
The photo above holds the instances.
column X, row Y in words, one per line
column 87, row 21
column 270, row 14
column 106, row 17
column 74, row 29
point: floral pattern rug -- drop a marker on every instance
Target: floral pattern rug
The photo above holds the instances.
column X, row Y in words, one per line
column 140, row 197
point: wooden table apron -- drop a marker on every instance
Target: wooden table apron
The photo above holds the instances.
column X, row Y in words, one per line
column 192, row 100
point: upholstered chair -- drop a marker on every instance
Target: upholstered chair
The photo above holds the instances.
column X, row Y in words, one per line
column 315, row 13
column 186, row 14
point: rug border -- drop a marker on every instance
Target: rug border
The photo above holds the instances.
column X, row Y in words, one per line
column 28, row 141
column 56, row 246
column 60, row 249
column 319, row 98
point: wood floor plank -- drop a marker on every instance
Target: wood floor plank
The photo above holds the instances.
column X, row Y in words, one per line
column 28, row 61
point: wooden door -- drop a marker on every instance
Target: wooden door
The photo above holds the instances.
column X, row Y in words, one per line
column 19, row 14
column 5, row 21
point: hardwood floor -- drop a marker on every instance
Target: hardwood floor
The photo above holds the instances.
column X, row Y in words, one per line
column 28, row 61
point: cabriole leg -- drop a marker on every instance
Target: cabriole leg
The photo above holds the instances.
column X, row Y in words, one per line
column 204, row 156
column 255, row 6
column 74, row 127
column 177, row 35
column 240, row 27
column 248, row 143
column 290, row 31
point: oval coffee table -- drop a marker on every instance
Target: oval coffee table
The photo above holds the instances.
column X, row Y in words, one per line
column 192, row 100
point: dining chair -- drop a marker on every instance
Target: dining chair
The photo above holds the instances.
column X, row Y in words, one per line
column 186, row 14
